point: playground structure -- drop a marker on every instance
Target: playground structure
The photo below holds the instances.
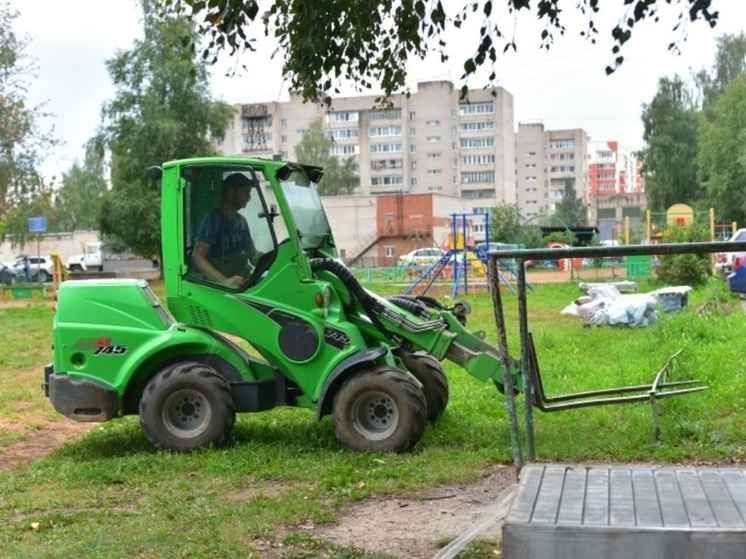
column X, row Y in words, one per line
column 464, row 264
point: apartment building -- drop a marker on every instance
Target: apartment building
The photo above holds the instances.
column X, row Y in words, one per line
column 545, row 161
column 615, row 188
column 613, row 169
column 429, row 142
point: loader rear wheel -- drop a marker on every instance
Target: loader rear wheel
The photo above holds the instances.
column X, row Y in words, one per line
column 187, row 406
column 428, row 370
column 379, row 409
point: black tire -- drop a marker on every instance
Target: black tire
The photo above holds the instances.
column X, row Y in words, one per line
column 187, row 406
column 41, row 276
column 379, row 409
column 428, row 370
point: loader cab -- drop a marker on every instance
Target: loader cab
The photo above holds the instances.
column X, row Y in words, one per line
column 232, row 225
column 232, row 217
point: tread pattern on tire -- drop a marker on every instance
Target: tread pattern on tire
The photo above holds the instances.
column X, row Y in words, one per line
column 428, row 370
column 223, row 405
column 412, row 409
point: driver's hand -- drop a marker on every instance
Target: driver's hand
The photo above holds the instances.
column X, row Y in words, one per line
column 235, row 281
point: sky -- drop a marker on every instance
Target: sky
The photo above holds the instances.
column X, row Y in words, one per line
column 565, row 87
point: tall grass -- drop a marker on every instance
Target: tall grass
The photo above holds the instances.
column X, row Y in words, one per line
column 112, row 494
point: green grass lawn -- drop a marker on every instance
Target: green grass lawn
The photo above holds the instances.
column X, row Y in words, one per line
column 113, row 495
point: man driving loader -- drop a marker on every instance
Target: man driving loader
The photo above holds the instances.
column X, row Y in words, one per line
column 224, row 245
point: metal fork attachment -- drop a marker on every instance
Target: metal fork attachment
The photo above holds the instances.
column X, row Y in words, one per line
column 641, row 393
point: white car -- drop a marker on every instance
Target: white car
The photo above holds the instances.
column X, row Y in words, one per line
column 41, row 268
column 421, row 257
column 724, row 260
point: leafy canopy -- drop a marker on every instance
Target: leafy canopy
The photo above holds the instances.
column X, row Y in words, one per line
column 315, row 148
column 162, row 111
column 369, row 42
column 23, row 192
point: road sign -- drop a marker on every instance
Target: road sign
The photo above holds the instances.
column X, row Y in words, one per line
column 37, row 225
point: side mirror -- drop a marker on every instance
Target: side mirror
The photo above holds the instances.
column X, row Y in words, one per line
column 155, row 172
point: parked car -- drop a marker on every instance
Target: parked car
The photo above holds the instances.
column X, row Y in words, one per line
column 421, row 257
column 737, row 278
column 41, row 267
column 724, row 260
column 7, row 275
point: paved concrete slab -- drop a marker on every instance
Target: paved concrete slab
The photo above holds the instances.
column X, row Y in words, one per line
column 623, row 512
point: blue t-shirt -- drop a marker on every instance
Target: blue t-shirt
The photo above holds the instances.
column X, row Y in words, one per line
column 227, row 236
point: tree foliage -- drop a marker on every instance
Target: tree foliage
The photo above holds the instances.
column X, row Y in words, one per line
column 730, row 63
column 505, row 222
column 78, row 202
column 685, row 269
column 162, row 111
column 22, row 143
column 572, row 210
column 722, row 154
column 669, row 156
column 369, row 43
column 315, row 148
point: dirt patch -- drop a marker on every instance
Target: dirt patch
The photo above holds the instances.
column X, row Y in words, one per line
column 416, row 528
column 38, row 442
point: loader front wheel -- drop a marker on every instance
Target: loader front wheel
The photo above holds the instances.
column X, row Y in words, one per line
column 187, row 406
column 428, row 370
column 379, row 409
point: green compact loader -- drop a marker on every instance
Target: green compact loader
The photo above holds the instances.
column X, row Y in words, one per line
column 320, row 340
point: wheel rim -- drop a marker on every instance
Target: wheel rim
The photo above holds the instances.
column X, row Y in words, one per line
column 186, row 413
column 375, row 415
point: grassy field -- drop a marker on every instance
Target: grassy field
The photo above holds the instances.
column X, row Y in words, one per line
column 111, row 494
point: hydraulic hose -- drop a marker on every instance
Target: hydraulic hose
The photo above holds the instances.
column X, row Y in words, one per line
column 369, row 303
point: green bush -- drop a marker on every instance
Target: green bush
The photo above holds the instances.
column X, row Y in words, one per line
column 685, row 269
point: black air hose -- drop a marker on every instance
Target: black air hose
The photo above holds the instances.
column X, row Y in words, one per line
column 370, row 304
column 409, row 304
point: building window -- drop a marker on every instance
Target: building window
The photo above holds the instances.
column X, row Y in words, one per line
column 412, row 131
column 434, row 171
column 389, row 180
column 347, row 116
column 412, row 148
column 433, row 155
column 563, row 169
column 413, row 181
column 478, row 176
column 432, row 123
column 476, row 108
column 384, row 131
column 413, row 165
column 433, row 138
column 435, row 189
column 412, row 115
column 343, row 133
column 559, row 144
column 379, row 164
column 477, row 125
column 389, row 251
column 283, row 122
column 345, row 150
column 284, row 139
column 483, row 159
column 386, row 148
column 386, row 115
column 471, row 143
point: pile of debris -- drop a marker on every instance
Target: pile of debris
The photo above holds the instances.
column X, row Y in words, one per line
column 604, row 304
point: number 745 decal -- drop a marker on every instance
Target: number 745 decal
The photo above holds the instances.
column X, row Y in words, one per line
column 111, row 350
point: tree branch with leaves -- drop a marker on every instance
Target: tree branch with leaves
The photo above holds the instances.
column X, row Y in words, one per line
column 369, row 43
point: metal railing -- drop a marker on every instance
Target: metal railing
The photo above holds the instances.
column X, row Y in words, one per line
column 532, row 387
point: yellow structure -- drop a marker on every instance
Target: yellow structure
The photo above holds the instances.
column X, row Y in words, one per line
column 679, row 215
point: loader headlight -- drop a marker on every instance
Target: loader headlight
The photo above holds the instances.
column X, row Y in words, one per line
column 323, row 299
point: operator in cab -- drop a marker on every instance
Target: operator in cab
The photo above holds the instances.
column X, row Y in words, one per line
column 224, row 247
